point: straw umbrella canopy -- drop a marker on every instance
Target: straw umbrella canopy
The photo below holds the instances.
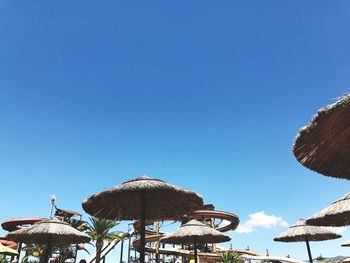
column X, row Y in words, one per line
column 301, row 232
column 49, row 232
column 142, row 198
column 324, row 144
column 195, row 232
column 346, row 243
column 337, row 214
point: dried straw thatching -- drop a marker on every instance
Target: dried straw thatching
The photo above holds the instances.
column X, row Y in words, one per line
column 270, row 259
column 123, row 201
column 303, row 232
column 143, row 198
column 7, row 251
column 337, row 214
column 49, row 230
column 346, row 244
column 195, row 230
column 324, row 144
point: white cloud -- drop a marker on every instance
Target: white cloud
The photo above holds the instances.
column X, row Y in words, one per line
column 225, row 223
column 339, row 230
column 260, row 220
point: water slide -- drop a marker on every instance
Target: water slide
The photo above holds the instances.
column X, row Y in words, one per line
column 17, row 223
column 210, row 215
column 14, row 224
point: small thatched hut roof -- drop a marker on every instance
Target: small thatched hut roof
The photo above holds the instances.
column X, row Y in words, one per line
column 49, row 230
column 337, row 214
column 324, row 144
column 303, row 232
column 195, row 230
column 123, row 202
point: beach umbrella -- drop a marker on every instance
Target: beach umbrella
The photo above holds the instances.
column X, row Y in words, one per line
column 8, row 251
column 301, row 232
column 142, row 198
column 49, row 232
column 324, row 144
column 195, row 232
column 337, row 214
column 346, row 243
column 270, row 259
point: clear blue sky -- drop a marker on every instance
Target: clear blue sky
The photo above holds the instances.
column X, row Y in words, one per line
column 208, row 95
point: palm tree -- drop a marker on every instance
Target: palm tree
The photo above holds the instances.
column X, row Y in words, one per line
column 33, row 250
column 231, row 257
column 78, row 224
column 100, row 230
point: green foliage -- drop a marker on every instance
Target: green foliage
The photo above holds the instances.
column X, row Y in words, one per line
column 320, row 257
column 3, row 260
column 100, row 230
column 231, row 257
column 80, row 225
column 32, row 250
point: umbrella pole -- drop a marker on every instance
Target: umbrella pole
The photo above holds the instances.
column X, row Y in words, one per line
column 195, row 250
column 308, row 249
column 121, row 251
column 48, row 250
column 129, row 247
column 19, row 248
column 143, row 227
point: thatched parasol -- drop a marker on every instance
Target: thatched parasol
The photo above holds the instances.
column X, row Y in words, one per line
column 302, row 232
column 337, row 214
column 270, row 259
column 324, row 144
column 142, row 198
column 346, row 243
column 195, row 232
column 7, row 250
column 49, row 232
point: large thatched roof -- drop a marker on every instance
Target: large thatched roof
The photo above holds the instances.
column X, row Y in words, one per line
column 123, row 202
column 303, row 232
column 337, row 214
column 195, row 231
column 324, row 144
column 53, row 230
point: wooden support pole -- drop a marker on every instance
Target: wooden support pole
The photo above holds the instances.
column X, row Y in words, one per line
column 308, row 249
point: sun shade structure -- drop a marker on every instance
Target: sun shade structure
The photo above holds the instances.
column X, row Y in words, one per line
column 337, row 214
column 346, row 243
column 143, row 198
column 324, row 144
column 301, row 232
column 271, row 259
column 195, row 232
column 7, row 251
column 49, row 232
